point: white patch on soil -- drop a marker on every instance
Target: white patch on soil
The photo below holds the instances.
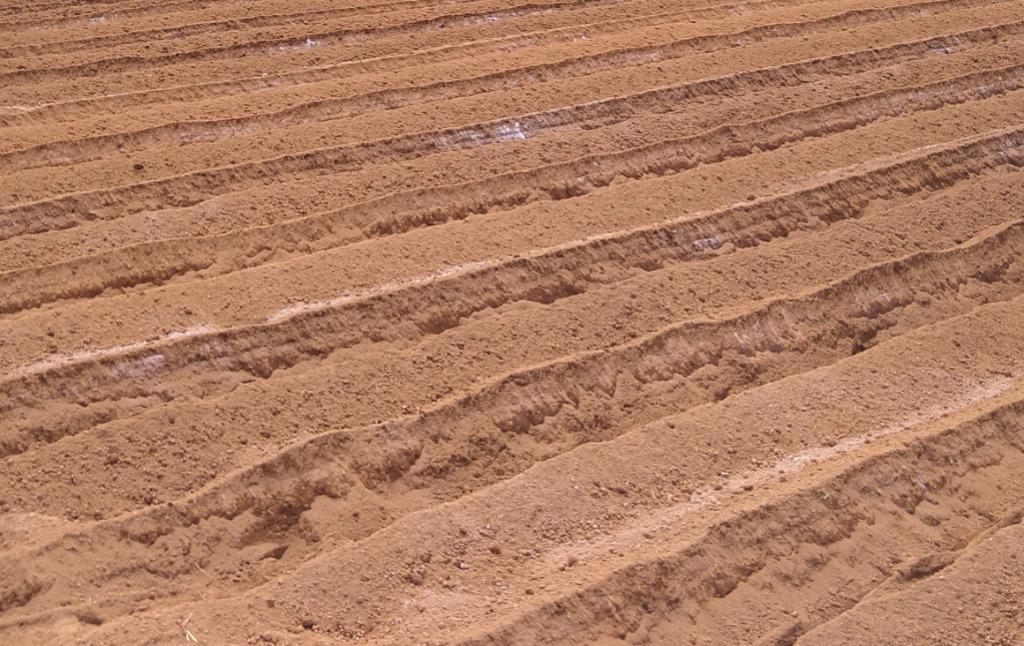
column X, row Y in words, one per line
column 348, row 297
column 135, row 368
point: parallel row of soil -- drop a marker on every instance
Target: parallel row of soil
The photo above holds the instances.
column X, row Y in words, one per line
column 536, row 321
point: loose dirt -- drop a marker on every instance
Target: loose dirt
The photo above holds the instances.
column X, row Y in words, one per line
column 512, row 322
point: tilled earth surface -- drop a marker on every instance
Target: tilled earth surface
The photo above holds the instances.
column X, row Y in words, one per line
column 512, row 321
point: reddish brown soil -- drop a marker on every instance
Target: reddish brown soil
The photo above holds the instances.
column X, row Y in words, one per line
column 512, row 322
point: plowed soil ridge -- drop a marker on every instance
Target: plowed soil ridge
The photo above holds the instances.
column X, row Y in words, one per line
column 555, row 182
column 184, row 190
column 91, row 105
column 434, row 302
column 71, row 152
column 549, row 321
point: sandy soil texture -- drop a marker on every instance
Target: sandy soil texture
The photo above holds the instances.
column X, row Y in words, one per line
column 512, row 322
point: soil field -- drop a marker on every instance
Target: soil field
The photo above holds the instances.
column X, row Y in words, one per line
column 512, row 322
